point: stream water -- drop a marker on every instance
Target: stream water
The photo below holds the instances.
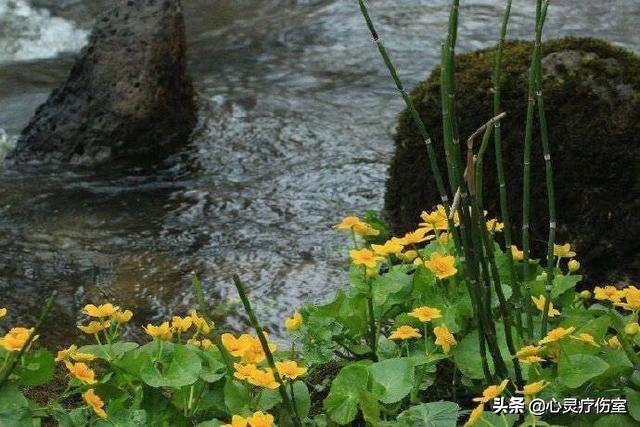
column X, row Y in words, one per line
column 296, row 131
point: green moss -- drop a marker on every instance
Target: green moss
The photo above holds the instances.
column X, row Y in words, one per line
column 592, row 97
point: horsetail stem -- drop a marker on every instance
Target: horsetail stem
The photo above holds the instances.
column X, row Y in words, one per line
column 267, row 351
column 32, row 336
column 488, row 244
column 504, row 204
column 544, row 137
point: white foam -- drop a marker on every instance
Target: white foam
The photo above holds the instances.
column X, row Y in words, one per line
column 28, row 33
column 7, row 144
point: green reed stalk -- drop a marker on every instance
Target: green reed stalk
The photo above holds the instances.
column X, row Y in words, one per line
column 504, row 205
column 489, row 248
column 293, row 412
column 32, row 336
column 544, row 137
column 226, row 357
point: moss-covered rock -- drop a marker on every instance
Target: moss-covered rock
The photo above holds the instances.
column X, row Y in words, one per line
column 592, row 99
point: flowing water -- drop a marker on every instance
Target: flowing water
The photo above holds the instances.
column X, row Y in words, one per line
column 296, row 131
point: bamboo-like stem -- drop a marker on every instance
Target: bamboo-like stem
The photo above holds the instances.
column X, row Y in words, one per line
column 544, row 137
column 489, row 248
column 504, row 205
column 422, row 129
column 267, row 351
column 471, row 244
column 226, row 357
column 32, row 336
column 373, row 333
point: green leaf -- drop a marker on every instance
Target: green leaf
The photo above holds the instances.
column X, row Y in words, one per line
column 342, row 408
column 11, row 397
column 561, row 284
column 395, row 376
column 615, row 420
column 212, row 367
column 433, row 414
column 633, row 401
column 236, row 397
column 37, row 369
column 109, row 352
column 268, row 398
column 210, row 423
column 180, row 367
column 302, row 399
column 575, row 370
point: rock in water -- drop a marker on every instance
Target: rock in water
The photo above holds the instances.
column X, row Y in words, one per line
column 128, row 98
column 592, row 100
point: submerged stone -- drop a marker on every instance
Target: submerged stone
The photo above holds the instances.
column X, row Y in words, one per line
column 128, row 98
column 592, row 101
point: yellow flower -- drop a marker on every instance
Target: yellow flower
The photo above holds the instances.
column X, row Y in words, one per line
column 83, row 357
column 263, row 379
column 260, row 419
column 425, row 314
column 444, row 238
column 104, row 310
column 614, row 342
column 94, row 327
column 494, row 226
column 15, row 339
column 585, row 294
column 444, row 338
column 363, row 257
column 294, row 322
column 3, row 312
column 475, row 415
column 436, row 220
column 95, row 402
column 82, row 372
column 516, row 253
column 236, row 346
column 534, row 388
column 200, row 323
column 349, row 222
column 540, row 302
column 290, row 369
column 441, row 265
column 206, row 344
column 632, row 328
column 181, row 324
column 530, row 354
column 563, row 251
column 254, row 353
column 573, row 265
column 237, row 421
column 66, row 353
column 162, row 332
column 415, row 237
column 631, row 297
column 491, row 392
column 608, row 293
column 556, row 335
column 355, row 224
column 408, row 256
column 244, row 371
column 405, row 332
column 587, row 338
column 391, row 247
column 123, row 316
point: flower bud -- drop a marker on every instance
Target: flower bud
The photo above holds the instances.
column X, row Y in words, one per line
column 632, row 328
column 573, row 265
column 585, row 294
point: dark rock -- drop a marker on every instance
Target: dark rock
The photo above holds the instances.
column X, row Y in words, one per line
column 592, row 98
column 128, row 98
